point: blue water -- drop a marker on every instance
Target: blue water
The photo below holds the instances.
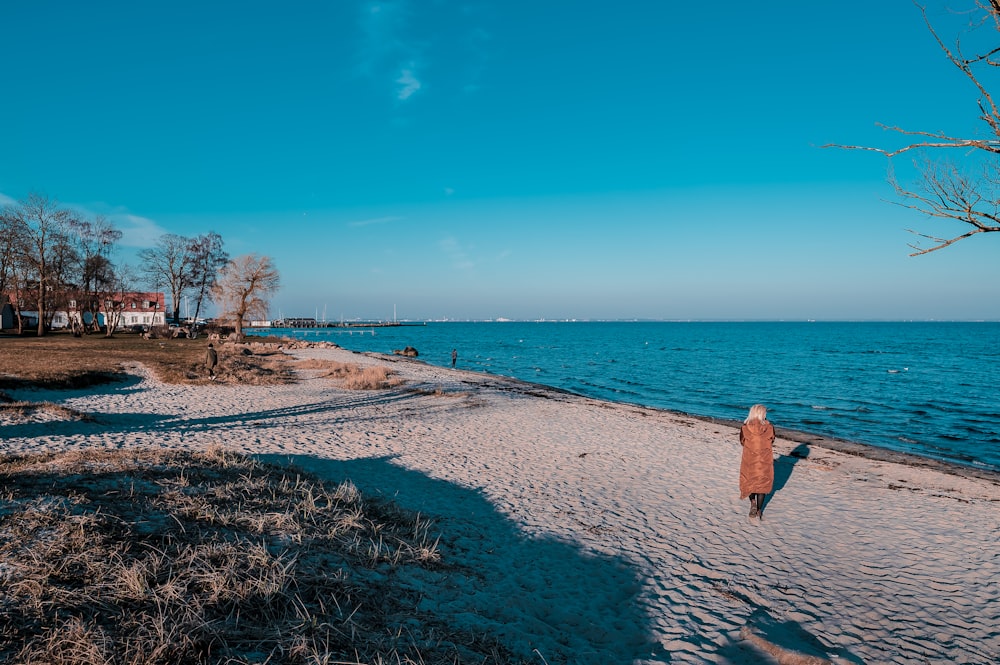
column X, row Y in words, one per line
column 924, row 388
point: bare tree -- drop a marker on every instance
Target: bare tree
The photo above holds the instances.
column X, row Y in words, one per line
column 39, row 231
column 118, row 286
column 169, row 263
column 7, row 257
column 207, row 259
column 64, row 270
column 243, row 289
column 17, row 280
column 944, row 191
column 96, row 240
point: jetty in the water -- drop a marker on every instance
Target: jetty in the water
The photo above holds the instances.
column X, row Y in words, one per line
column 313, row 323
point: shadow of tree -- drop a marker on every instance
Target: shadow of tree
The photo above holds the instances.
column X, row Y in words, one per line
column 140, row 422
column 539, row 594
column 232, row 561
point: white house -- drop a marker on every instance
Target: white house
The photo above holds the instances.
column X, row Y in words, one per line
column 144, row 309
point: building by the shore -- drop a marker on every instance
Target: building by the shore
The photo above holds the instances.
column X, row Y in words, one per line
column 144, row 309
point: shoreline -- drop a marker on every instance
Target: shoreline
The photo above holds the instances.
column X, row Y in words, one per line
column 865, row 450
column 862, row 394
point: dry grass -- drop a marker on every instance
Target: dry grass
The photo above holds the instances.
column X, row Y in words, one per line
column 150, row 556
column 19, row 411
column 353, row 377
column 60, row 360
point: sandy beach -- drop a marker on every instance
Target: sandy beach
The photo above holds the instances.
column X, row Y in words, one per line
column 592, row 532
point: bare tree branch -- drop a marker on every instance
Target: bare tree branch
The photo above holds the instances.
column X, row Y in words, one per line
column 947, row 193
column 943, row 191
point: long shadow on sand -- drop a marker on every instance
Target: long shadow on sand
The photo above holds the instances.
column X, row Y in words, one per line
column 148, row 422
column 540, row 594
column 783, row 467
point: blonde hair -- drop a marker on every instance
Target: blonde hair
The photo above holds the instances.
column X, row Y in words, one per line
column 758, row 412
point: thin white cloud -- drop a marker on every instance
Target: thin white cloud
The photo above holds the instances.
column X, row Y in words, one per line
column 448, row 191
column 137, row 231
column 386, row 51
column 408, row 85
column 376, row 220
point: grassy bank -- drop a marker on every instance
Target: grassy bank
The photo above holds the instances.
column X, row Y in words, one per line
column 60, row 360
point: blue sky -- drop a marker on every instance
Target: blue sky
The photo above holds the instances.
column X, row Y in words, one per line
column 519, row 159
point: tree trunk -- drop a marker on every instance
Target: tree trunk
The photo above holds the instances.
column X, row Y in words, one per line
column 41, row 308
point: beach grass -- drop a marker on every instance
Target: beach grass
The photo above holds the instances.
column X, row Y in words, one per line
column 158, row 556
column 352, row 376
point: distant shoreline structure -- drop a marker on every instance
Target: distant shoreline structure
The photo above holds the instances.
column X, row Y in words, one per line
column 296, row 322
column 313, row 323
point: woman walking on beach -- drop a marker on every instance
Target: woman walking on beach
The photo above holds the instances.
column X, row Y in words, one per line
column 757, row 463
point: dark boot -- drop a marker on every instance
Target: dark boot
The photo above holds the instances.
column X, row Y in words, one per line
column 759, row 505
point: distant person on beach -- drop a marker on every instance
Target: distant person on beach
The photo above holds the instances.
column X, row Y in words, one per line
column 757, row 463
column 454, row 357
column 211, row 360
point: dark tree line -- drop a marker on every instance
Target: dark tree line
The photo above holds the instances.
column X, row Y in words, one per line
column 53, row 259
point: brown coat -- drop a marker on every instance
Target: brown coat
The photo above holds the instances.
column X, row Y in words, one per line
column 757, row 463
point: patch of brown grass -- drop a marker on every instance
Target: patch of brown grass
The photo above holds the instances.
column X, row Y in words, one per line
column 153, row 556
column 351, row 376
column 20, row 411
column 60, row 360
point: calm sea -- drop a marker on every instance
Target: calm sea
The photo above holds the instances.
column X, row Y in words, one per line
column 924, row 388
